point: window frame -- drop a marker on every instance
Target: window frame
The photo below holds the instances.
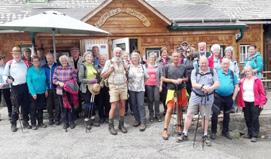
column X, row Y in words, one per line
column 243, row 52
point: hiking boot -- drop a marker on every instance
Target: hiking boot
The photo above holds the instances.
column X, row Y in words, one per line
column 247, row 136
column 151, row 118
column 179, row 130
column 72, row 125
column 57, row 122
column 42, row 125
column 14, row 128
column 142, row 127
column 95, row 123
column 66, row 126
column 121, row 125
column 165, row 135
column 136, row 124
column 111, row 128
column 206, row 140
column 158, row 118
column 253, row 139
column 34, row 127
column 213, row 136
column 26, row 125
column 182, row 137
column 227, row 135
column 51, row 122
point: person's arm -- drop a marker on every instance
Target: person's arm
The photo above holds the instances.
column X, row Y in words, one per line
column 261, row 92
column 259, row 64
column 236, row 86
column 56, row 76
column 107, row 70
column 195, row 85
column 29, row 83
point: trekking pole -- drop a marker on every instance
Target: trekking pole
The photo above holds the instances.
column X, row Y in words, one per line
column 196, row 130
column 20, row 120
column 203, row 140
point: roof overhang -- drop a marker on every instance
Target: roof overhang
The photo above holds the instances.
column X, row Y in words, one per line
column 220, row 24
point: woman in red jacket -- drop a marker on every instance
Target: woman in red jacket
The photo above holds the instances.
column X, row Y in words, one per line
column 251, row 98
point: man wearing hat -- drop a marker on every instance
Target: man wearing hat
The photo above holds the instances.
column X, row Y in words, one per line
column 15, row 74
column 27, row 57
column 76, row 60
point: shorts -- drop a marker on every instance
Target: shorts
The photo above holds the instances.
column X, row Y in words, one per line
column 182, row 99
column 118, row 92
column 205, row 110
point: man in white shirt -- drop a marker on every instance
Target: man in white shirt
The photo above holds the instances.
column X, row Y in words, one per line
column 15, row 74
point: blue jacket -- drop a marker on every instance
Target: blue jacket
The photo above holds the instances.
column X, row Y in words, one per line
column 256, row 62
column 49, row 75
column 36, row 80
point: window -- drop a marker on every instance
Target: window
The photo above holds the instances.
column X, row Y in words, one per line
column 36, row 1
column 243, row 53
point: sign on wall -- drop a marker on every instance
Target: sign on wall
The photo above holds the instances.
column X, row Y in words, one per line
column 101, row 43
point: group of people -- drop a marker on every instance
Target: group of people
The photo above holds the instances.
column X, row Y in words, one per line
column 202, row 82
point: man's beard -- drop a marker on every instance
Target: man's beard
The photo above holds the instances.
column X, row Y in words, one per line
column 118, row 59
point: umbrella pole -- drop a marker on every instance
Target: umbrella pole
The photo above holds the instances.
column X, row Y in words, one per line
column 54, row 43
column 33, row 35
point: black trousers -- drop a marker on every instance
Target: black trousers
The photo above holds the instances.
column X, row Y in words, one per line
column 221, row 103
column 252, row 113
column 37, row 107
column 20, row 98
column 103, row 104
column 53, row 104
column 6, row 94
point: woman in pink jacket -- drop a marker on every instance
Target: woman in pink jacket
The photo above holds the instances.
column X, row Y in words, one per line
column 251, row 98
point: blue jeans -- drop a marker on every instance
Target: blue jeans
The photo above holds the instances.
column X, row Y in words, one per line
column 137, row 103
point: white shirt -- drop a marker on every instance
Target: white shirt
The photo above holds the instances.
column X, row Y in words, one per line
column 17, row 70
column 248, row 94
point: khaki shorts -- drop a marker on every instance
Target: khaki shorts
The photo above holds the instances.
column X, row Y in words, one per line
column 117, row 92
column 205, row 110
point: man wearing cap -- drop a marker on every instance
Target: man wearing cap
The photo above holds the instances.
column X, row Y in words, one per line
column 96, row 55
column 40, row 54
column 27, row 57
column 15, row 74
column 76, row 60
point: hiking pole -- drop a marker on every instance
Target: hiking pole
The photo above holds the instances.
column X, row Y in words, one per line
column 203, row 140
column 196, row 130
